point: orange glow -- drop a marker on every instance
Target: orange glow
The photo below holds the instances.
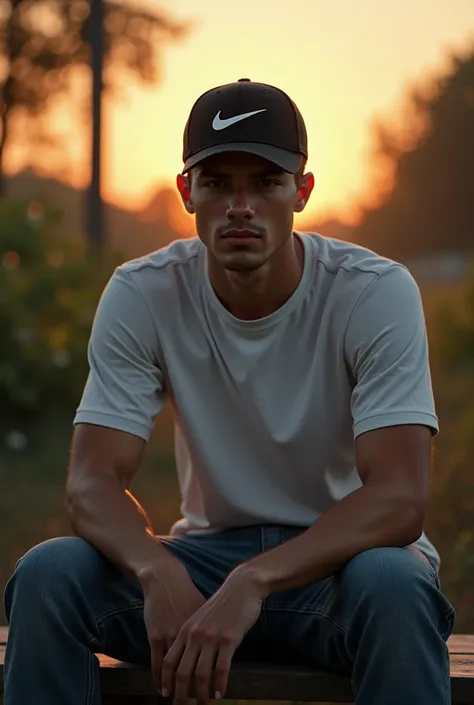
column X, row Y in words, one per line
column 343, row 63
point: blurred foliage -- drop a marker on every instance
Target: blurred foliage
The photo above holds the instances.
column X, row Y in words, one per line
column 457, row 322
column 43, row 42
column 427, row 170
column 451, row 521
column 32, row 481
column 49, row 286
column 49, row 289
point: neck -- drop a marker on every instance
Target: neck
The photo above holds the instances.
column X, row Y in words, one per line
column 257, row 294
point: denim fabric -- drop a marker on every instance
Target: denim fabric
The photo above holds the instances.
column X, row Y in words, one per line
column 383, row 618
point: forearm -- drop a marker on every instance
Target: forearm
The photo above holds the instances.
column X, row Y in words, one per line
column 113, row 521
column 367, row 518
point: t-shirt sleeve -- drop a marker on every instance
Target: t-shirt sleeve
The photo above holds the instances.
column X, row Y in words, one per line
column 386, row 348
column 124, row 388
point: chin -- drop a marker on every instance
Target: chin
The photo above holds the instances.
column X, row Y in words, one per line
column 240, row 262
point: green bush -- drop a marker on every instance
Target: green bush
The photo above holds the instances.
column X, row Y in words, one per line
column 451, row 523
column 49, row 288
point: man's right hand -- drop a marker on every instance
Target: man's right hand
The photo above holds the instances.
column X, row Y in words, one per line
column 170, row 599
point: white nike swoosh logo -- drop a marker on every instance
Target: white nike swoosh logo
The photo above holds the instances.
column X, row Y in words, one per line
column 219, row 124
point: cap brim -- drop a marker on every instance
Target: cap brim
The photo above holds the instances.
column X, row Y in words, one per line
column 288, row 161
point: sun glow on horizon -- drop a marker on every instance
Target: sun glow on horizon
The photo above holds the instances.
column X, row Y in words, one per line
column 343, row 63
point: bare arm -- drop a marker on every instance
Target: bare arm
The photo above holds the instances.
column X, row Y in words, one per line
column 388, row 510
column 102, row 509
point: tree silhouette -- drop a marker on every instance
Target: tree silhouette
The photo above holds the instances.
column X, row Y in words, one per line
column 42, row 44
column 430, row 207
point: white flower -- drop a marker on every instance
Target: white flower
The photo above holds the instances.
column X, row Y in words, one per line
column 16, row 440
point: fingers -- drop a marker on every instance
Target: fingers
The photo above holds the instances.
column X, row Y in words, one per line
column 158, row 652
column 222, row 667
column 203, row 675
column 159, row 649
column 204, row 658
column 177, row 668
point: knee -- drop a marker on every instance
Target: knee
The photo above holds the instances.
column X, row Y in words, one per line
column 50, row 570
column 395, row 589
column 392, row 578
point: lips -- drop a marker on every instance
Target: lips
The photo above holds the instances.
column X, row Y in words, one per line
column 237, row 234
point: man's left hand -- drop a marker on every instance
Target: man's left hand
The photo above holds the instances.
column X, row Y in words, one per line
column 206, row 643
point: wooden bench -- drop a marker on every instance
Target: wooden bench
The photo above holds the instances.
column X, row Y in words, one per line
column 123, row 684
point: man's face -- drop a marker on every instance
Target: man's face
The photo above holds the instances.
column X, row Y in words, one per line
column 244, row 207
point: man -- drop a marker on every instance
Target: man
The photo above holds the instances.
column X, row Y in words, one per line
column 297, row 367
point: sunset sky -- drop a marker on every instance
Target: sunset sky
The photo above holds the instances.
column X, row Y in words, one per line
column 344, row 62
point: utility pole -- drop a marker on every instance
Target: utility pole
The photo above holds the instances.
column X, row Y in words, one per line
column 6, row 90
column 94, row 205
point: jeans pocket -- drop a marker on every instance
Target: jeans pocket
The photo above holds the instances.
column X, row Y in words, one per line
column 447, row 622
column 434, row 574
column 447, row 612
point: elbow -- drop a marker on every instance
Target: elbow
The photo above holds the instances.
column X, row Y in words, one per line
column 412, row 515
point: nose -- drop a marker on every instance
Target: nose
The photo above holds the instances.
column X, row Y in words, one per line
column 240, row 205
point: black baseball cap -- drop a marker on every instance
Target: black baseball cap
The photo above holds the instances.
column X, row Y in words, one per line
column 246, row 116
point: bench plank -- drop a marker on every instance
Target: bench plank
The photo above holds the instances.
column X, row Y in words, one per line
column 457, row 643
column 126, row 684
column 461, row 644
column 246, row 682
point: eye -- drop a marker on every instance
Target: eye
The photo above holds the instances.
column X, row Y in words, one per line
column 269, row 183
column 214, row 183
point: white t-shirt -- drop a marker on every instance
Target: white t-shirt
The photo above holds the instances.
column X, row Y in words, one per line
column 266, row 410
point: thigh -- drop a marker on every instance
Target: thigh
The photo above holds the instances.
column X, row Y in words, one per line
column 69, row 580
column 305, row 625
column 316, row 623
column 66, row 581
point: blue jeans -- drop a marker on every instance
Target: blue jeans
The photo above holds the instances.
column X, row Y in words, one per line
column 382, row 618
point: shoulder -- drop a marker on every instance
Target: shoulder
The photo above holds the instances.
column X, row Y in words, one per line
column 166, row 265
column 347, row 259
column 140, row 288
column 356, row 271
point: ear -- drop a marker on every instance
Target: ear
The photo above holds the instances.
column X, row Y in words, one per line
column 184, row 188
column 304, row 192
